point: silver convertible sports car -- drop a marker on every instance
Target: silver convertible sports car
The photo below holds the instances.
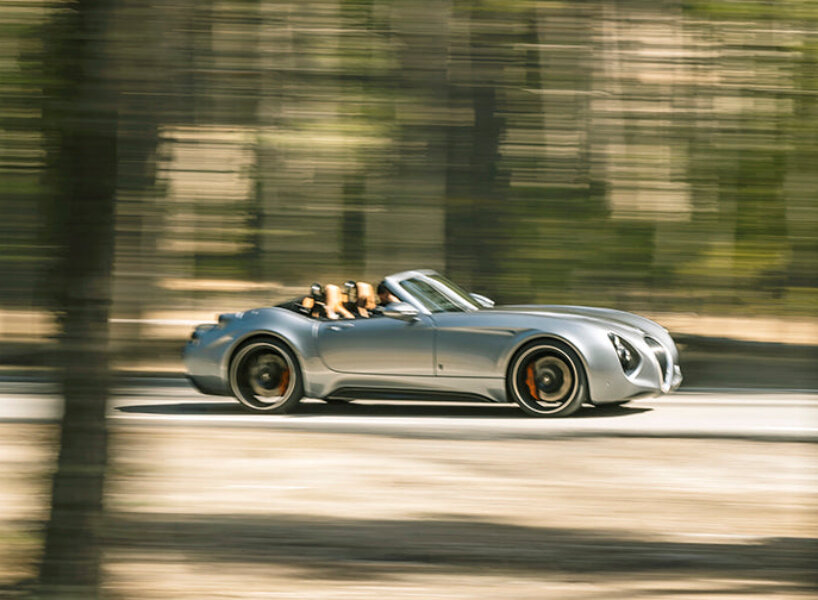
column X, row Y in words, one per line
column 423, row 337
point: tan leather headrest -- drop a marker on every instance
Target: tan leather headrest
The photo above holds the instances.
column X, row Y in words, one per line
column 334, row 303
column 366, row 296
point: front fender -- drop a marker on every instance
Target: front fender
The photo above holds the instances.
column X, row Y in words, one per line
column 602, row 368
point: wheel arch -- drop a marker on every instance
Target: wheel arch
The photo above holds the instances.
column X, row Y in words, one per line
column 562, row 347
column 258, row 335
column 539, row 336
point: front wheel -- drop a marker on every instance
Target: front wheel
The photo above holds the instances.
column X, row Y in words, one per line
column 546, row 379
column 264, row 376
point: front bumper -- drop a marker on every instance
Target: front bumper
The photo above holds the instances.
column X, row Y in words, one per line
column 658, row 373
column 677, row 378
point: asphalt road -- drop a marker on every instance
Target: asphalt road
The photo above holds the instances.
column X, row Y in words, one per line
column 698, row 413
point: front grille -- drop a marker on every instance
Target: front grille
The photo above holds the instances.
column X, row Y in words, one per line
column 661, row 356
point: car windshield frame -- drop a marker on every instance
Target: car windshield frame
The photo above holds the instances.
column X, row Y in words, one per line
column 437, row 294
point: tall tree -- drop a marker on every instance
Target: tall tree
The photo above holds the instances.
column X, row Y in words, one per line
column 141, row 79
column 476, row 183
column 80, row 119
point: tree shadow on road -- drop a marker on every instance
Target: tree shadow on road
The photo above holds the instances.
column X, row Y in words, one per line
column 185, row 408
column 338, row 547
column 377, row 409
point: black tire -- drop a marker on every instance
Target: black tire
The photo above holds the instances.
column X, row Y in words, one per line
column 546, row 379
column 265, row 376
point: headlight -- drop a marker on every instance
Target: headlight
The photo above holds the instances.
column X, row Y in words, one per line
column 628, row 357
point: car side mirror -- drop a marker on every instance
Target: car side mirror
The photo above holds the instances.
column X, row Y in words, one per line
column 400, row 310
column 482, row 300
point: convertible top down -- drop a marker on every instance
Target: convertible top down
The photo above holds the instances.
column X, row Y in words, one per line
column 424, row 337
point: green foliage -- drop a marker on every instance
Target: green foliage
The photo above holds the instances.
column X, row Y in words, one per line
column 650, row 155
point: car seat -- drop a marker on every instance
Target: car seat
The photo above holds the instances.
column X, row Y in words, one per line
column 349, row 297
column 314, row 305
column 334, row 305
column 366, row 299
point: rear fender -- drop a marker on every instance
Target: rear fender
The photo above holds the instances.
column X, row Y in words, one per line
column 291, row 329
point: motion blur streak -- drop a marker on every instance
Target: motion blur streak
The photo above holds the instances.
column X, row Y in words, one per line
column 655, row 157
column 659, row 157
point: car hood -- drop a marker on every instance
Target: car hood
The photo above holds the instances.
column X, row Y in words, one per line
column 600, row 315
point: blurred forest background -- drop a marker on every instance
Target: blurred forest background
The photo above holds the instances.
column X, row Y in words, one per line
column 164, row 161
column 654, row 156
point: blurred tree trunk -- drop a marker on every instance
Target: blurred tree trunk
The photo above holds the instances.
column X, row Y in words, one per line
column 352, row 222
column 197, row 106
column 355, row 15
column 476, row 185
column 137, row 222
column 80, row 118
column 802, row 268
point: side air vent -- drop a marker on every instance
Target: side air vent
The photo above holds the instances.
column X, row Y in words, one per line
column 661, row 356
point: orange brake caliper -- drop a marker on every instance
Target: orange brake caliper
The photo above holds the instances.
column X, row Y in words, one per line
column 285, row 381
column 529, row 381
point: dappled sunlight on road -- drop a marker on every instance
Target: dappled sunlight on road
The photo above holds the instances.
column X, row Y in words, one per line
column 196, row 511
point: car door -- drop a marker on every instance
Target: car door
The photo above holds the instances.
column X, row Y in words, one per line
column 378, row 345
column 471, row 344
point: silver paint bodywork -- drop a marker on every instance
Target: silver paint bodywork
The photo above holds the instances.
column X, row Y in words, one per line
column 465, row 353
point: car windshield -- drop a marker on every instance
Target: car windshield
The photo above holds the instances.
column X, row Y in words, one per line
column 438, row 294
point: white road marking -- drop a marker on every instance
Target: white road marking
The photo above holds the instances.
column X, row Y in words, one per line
column 773, row 416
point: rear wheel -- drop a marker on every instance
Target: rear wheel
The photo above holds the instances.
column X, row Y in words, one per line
column 264, row 376
column 546, row 379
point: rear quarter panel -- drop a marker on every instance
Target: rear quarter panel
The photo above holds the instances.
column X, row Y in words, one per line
column 207, row 361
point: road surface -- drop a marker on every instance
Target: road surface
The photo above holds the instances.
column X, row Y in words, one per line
column 786, row 415
column 450, row 501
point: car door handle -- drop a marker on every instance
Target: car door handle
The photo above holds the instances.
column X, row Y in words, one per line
column 341, row 326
